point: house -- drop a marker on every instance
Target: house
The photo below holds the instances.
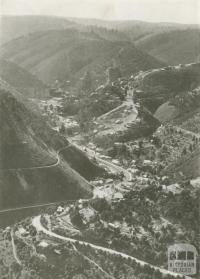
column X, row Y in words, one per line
column 22, row 231
column 116, row 162
column 173, row 188
column 43, row 244
column 60, row 209
column 118, row 196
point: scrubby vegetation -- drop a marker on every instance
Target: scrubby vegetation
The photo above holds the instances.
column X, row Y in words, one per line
column 103, row 92
column 119, row 267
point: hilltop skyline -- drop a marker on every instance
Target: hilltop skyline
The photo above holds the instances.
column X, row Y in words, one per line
column 179, row 11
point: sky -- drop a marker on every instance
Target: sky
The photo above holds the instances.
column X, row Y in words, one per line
column 182, row 11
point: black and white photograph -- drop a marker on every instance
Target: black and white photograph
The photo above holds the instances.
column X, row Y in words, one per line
column 99, row 139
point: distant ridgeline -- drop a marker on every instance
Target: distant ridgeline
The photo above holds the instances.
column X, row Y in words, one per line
column 66, row 55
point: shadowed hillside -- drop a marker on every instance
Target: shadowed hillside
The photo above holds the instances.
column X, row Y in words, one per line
column 30, row 167
column 21, row 79
column 174, row 79
column 160, row 85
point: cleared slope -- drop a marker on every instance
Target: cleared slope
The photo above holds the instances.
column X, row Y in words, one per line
column 26, row 142
column 174, row 47
column 66, row 54
column 166, row 112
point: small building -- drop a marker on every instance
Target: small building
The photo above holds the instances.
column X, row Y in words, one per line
column 43, row 244
column 60, row 209
column 22, row 231
column 118, row 196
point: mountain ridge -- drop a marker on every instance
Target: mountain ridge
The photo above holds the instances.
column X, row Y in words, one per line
column 63, row 54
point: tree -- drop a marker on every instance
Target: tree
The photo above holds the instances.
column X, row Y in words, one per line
column 113, row 74
column 184, row 150
column 62, row 129
column 87, row 82
column 76, row 218
column 191, row 147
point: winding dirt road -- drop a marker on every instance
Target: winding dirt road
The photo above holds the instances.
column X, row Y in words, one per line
column 14, row 248
column 45, row 166
column 91, row 154
column 36, row 222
